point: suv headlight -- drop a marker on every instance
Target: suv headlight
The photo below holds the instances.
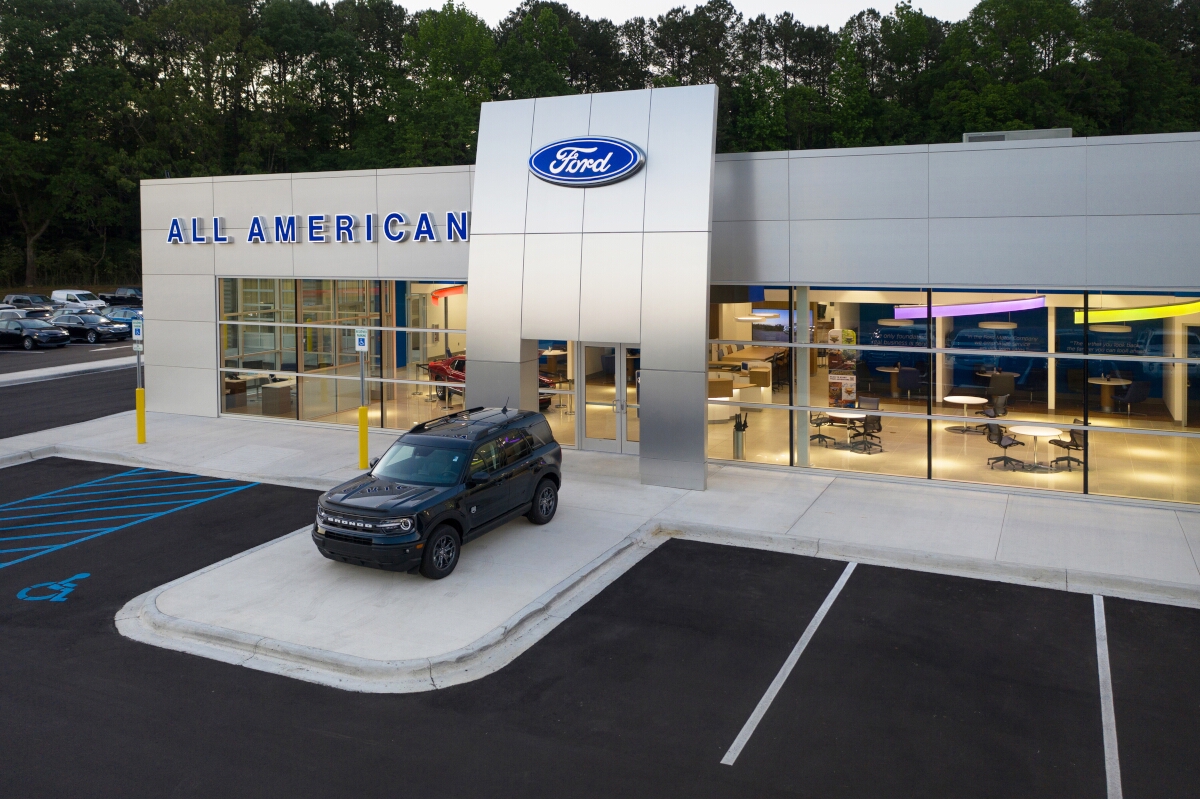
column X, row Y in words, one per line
column 403, row 525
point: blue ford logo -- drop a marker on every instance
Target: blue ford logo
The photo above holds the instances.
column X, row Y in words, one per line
column 586, row 161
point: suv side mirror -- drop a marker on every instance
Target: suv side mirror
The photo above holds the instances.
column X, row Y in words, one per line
column 479, row 478
column 373, row 462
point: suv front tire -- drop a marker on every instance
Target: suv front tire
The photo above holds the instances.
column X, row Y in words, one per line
column 441, row 552
column 545, row 502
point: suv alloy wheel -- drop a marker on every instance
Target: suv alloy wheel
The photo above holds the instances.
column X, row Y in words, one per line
column 441, row 553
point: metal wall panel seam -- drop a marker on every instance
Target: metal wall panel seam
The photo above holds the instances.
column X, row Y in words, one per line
column 582, row 233
column 642, row 248
column 1087, row 211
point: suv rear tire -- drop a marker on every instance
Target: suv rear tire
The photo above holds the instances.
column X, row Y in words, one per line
column 441, row 552
column 545, row 502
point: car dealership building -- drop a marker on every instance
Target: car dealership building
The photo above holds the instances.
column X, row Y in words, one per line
column 922, row 311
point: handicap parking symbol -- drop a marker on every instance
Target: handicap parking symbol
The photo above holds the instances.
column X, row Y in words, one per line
column 55, row 592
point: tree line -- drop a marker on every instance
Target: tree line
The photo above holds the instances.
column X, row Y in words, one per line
column 96, row 95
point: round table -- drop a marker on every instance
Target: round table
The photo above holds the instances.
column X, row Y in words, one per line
column 1037, row 431
column 1106, row 386
column 846, row 416
column 894, row 372
column 990, row 374
column 966, row 402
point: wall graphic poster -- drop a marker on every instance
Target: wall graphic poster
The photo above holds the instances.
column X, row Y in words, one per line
column 843, row 388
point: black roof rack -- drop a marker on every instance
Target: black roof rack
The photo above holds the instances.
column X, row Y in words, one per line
column 441, row 420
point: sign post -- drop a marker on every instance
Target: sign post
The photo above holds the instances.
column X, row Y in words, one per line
column 360, row 346
column 140, row 391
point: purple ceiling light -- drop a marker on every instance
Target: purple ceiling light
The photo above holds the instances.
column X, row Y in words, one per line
column 972, row 308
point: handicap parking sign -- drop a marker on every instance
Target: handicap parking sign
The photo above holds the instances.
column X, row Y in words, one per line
column 360, row 339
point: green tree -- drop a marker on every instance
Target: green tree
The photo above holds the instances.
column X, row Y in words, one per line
column 61, row 93
column 535, row 56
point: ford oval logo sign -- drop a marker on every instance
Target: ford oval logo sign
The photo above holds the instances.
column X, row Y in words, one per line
column 586, row 161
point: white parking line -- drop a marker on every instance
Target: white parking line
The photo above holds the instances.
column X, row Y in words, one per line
column 1108, row 715
column 106, row 349
column 780, row 678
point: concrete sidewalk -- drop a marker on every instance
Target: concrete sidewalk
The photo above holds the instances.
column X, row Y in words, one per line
column 271, row 608
column 67, row 370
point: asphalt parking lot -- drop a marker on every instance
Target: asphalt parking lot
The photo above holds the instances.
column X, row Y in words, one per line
column 912, row 685
column 46, row 404
column 18, row 360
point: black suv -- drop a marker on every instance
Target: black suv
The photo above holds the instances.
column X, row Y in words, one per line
column 442, row 483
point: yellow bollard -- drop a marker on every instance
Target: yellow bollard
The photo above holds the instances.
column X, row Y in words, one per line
column 140, row 405
column 362, row 437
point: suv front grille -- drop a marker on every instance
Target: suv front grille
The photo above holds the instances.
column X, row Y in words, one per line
column 349, row 539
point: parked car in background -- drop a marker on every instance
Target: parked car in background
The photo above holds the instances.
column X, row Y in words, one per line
column 31, row 302
column 123, row 296
column 454, row 370
column 91, row 327
column 74, row 299
column 442, row 483
column 11, row 313
column 125, row 314
column 31, row 333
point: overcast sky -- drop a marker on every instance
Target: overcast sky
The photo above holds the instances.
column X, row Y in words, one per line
column 833, row 13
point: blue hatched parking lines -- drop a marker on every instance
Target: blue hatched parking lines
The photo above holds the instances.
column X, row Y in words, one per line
column 55, row 520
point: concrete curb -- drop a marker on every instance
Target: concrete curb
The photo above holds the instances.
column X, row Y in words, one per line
column 141, row 620
column 119, row 459
column 66, row 370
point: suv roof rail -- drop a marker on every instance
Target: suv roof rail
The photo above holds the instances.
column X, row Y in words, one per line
column 441, row 420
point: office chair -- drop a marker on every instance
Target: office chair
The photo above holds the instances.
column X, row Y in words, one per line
column 819, row 420
column 1137, row 391
column 996, row 436
column 908, row 379
column 1073, row 444
column 866, row 437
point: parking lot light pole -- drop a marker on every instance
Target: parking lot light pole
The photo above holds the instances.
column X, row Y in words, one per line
column 360, row 344
column 140, row 392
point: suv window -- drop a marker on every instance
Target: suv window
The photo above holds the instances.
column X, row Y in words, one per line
column 513, row 447
column 486, row 459
column 541, row 434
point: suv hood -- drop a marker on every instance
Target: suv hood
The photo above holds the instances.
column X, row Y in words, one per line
column 369, row 493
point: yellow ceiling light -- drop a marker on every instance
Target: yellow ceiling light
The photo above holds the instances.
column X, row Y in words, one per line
column 1101, row 315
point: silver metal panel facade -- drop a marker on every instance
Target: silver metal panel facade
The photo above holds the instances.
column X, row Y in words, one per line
column 1161, row 251
column 1154, row 178
column 751, row 189
column 550, row 295
column 846, row 185
column 610, row 288
column 619, row 208
column 494, row 312
column 1032, row 178
column 501, row 181
column 679, row 176
column 871, row 252
column 675, row 302
column 556, row 209
column 669, row 428
column 1009, row 251
column 750, row 252
column 679, row 127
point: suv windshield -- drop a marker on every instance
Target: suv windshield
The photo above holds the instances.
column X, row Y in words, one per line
column 421, row 464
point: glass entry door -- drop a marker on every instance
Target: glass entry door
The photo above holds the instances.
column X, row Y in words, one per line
column 609, row 395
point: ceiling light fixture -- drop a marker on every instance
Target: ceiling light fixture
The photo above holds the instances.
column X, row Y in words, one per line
column 972, row 308
column 1101, row 315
